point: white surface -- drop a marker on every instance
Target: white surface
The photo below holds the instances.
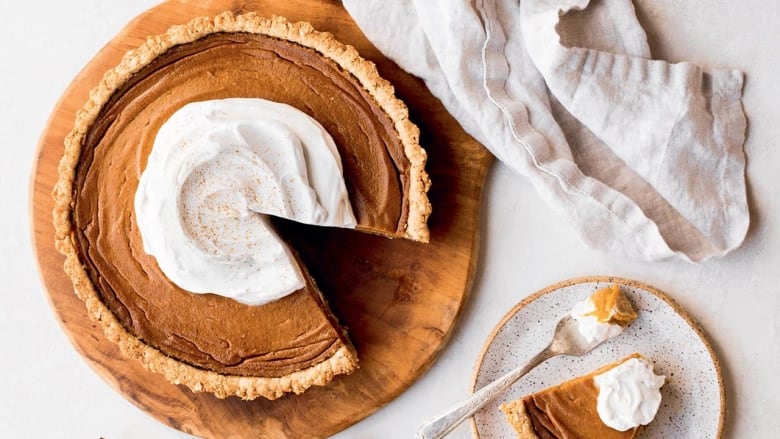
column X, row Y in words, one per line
column 525, row 246
column 691, row 395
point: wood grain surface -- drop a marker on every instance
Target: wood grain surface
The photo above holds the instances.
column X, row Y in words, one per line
column 400, row 300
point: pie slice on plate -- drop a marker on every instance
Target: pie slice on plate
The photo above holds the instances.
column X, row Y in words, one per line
column 614, row 401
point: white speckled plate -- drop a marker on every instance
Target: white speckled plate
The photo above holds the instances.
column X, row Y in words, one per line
column 693, row 404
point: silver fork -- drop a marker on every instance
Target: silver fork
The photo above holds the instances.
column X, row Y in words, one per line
column 566, row 341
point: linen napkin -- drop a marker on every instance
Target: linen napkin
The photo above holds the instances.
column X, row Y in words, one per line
column 643, row 157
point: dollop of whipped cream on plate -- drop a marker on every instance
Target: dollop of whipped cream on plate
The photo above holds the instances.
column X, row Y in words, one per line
column 603, row 315
column 216, row 170
column 629, row 394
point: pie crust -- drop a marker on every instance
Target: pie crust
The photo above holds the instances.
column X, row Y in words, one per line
column 197, row 379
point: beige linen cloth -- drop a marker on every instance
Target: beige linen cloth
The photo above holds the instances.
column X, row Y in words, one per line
column 643, row 157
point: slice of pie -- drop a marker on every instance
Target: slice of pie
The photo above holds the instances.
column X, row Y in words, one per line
column 209, row 342
column 614, row 401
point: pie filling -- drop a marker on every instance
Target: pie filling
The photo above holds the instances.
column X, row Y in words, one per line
column 207, row 330
column 569, row 412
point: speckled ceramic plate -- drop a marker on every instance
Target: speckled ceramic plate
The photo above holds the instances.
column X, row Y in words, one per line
column 693, row 404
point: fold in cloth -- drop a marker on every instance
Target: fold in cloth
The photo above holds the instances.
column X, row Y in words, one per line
column 643, row 157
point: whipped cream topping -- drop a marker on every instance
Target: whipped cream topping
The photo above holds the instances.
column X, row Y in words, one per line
column 590, row 326
column 216, row 169
column 629, row 394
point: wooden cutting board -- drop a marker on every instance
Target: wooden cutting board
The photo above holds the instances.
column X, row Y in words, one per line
column 400, row 300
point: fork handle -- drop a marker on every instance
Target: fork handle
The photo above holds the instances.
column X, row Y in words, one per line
column 446, row 422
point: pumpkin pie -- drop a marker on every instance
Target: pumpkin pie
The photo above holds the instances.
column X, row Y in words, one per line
column 209, row 342
column 613, row 402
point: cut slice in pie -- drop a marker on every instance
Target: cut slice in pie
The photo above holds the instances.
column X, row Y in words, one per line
column 623, row 394
column 205, row 341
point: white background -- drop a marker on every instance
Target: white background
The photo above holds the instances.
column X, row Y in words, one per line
column 47, row 390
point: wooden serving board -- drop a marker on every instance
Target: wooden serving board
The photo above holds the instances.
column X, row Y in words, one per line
column 400, row 300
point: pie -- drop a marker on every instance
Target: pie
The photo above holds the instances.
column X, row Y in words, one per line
column 205, row 341
column 572, row 409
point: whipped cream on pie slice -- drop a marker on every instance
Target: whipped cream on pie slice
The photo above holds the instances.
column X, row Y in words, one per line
column 216, row 170
column 629, row 394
